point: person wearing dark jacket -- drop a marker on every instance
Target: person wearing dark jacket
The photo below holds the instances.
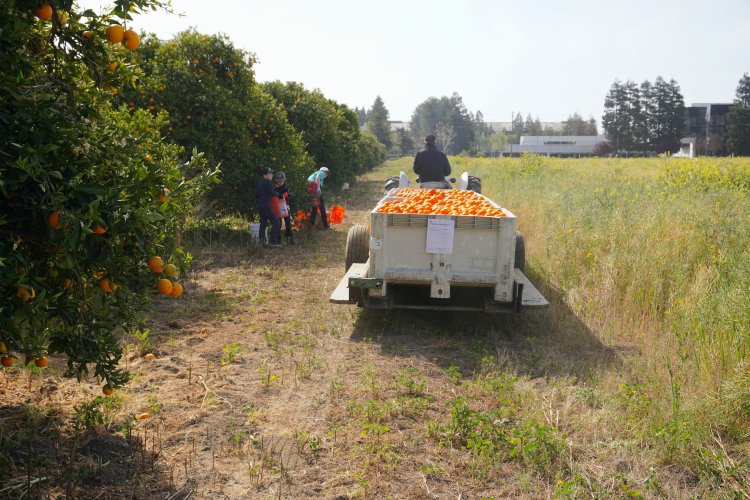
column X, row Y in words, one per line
column 265, row 194
column 282, row 188
column 430, row 164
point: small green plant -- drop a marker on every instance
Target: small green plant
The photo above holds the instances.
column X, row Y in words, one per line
column 454, row 374
column 154, row 405
column 266, row 377
column 142, row 340
column 231, row 351
column 409, row 384
column 90, row 415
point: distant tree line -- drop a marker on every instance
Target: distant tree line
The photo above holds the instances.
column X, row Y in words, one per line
column 738, row 120
column 458, row 130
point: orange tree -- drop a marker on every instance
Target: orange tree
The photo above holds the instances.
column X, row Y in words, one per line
column 330, row 131
column 208, row 87
column 80, row 187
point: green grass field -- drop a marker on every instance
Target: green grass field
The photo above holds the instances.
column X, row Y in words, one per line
column 651, row 255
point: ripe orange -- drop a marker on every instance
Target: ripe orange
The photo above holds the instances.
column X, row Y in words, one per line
column 62, row 17
column 107, row 390
column 170, row 270
column 41, row 362
column 143, row 416
column 164, row 195
column 155, row 263
column 98, row 229
column 43, row 12
column 112, row 66
column 149, row 356
column 131, row 40
column 3, row 349
column 164, row 286
column 26, row 293
column 149, row 157
column 176, row 290
column 67, row 283
column 7, row 361
column 87, row 34
column 107, row 286
column 115, row 34
column 54, row 218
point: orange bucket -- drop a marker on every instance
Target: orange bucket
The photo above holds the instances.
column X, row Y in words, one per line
column 337, row 214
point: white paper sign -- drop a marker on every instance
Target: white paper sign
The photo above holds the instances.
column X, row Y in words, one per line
column 440, row 235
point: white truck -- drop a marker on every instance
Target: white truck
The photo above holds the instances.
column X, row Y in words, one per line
column 437, row 262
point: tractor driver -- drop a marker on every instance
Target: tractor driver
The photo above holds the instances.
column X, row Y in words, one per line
column 431, row 165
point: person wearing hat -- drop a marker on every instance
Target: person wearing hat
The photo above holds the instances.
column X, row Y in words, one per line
column 282, row 188
column 315, row 181
column 265, row 194
column 431, row 165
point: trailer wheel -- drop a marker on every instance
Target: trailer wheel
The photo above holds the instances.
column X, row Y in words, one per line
column 520, row 262
column 390, row 183
column 357, row 245
column 475, row 184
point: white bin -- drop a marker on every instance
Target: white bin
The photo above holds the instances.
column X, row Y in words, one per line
column 254, row 228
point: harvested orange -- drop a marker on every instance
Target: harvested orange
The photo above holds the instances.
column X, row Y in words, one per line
column 170, row 270
column 44, row 12
column 7, row 361
column 149, row 356
column 107, row 390
column 131, row 40
column 54, row 219
column 107, row 286
column 164, row 286
column 143, row 416
column 98, row 229
column 115, row 34
column 41, row 362
column 176, row 290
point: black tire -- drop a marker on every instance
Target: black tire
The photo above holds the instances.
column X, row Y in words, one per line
column 390, row 183
column 357, row 245
column 474, row 184
column 520, row 262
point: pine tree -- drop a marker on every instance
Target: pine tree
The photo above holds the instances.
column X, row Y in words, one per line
column 738, row 120
column 616, row 119
column 377, row 122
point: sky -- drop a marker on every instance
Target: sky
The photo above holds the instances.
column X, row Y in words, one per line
column 545, row 58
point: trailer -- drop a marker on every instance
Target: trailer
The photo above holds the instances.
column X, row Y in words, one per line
column 436, row 261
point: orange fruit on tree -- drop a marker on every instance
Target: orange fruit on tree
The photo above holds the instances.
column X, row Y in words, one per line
column 106, row 285
column 112, row 66
column 107, row 390
column 41, row 362
column 164, row 286
column 7, row 361
column 3, row 349
column 87, row 34
column 44, row 12
column 155, row 263
column 170, row 270
column 98, row 229
column 131, row 40
column 164, row 195
column 115, row 34
column 176, row 290
column 54, row 219
column 67, row 283
column 62, row 17
column 26, row 293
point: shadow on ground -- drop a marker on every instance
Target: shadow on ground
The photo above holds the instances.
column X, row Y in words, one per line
column 542, row 342
column 39, row 458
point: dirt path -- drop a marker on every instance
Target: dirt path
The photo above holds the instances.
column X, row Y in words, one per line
column 262, row 389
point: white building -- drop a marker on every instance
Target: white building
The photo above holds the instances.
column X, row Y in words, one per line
column 555, row 145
